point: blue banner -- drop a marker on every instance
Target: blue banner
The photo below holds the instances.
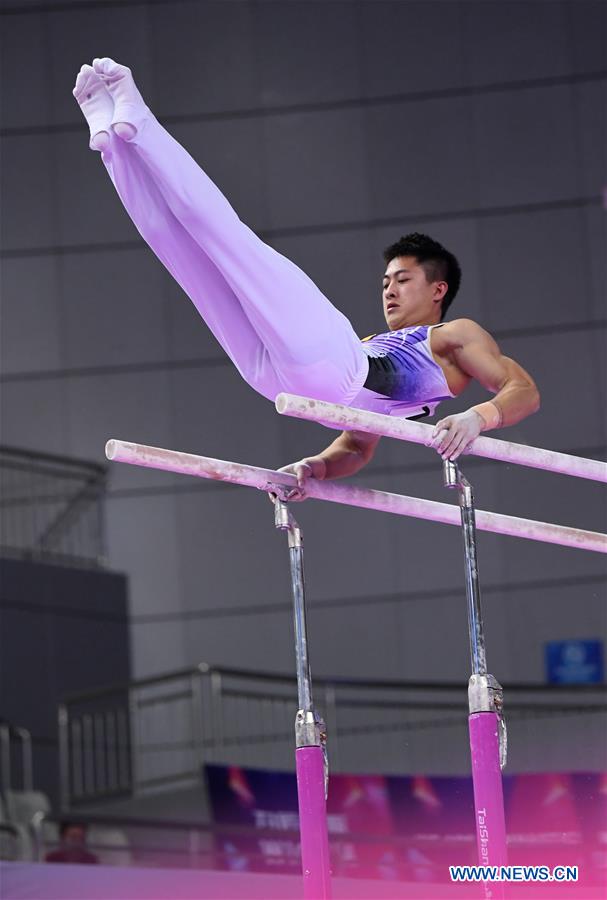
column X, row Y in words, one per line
column 574, row 662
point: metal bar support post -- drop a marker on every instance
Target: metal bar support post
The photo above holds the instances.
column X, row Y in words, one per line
column 310, row 731
column 485, row 700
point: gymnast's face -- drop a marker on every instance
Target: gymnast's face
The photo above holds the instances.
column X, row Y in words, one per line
column 408, row 297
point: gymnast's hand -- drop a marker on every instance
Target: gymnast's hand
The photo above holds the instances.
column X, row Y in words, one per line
column 454, row 434
column 304, row 469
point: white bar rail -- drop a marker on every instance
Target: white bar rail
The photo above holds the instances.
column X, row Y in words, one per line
column 349, row 419
column 265, row 479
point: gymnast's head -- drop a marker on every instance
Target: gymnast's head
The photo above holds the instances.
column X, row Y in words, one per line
column 420, row 281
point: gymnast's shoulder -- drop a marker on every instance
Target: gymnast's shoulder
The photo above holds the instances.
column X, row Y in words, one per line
column 458, row 333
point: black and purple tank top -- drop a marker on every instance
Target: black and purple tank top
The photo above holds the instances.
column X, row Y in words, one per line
column 404, row 379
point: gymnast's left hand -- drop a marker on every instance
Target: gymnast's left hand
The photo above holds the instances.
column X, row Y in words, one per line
column 454, row 434
column 304, row 469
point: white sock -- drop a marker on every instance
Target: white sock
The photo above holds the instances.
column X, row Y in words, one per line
column 129, row 107
column 96, row 105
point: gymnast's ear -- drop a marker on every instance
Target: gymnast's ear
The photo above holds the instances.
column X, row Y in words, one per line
column 440, row 290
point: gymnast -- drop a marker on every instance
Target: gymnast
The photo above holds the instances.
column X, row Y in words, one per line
column 279, row 330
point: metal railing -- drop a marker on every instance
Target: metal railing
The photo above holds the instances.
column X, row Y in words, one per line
column 18, row 820
column 51, row 507
column 16, row 761
column 158, row 732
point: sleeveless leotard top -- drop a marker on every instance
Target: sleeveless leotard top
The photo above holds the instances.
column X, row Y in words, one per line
column 404, row 378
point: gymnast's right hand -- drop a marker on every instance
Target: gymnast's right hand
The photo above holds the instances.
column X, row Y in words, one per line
column 304, row 469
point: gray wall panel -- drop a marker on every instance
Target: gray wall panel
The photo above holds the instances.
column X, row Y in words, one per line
column 364, row 639
column 10, row 7
column 157, row 647
column 545, row 495
column 535, row 559
column 315, row 168
column 501, row 40
column 433, row 639
column 518, row 622
column 552, row 744
column 588, row 34
column 263, row 641
column 143, row 542
column 30, row 336
column 591, row 131
column 88, row 209
column 24, row 57
column 563, row 387
column 230, row 554
column 395, row 55
column 35, row 415
column 196, row 70
column 599, row 395
column 595, row 236
column 535, row 269
column 131, row 406
column 427, row 555
column 349, row 551
column 286, row 78
column 200, row 401
column 541, row 615
column 550, row 498
column 525, row 146
column 113, row 308
column 28, row 199
column 413, row 150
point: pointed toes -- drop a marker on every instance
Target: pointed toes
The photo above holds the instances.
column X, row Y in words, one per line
column 84, row 77
column 104, row 65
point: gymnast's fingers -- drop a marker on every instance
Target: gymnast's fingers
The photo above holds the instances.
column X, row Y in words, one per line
column 450, row 445
column 295, row 494
column 446, row 438
column 302, row 471
column 457, row 447
column 440, row 438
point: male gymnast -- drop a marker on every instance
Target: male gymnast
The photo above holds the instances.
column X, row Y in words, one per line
column 279, row 330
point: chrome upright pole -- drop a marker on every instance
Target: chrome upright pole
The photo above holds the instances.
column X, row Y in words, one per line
column 284, row 521
column 310, row 732
column 453, row 478
column 485, row 700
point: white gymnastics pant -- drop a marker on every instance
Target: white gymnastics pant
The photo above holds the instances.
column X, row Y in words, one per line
column 276, row 326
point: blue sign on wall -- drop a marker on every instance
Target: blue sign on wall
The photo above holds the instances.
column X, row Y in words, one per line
column 574, row 662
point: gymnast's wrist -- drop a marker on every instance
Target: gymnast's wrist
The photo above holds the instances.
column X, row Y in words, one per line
column 317, row 465
column 490, row 414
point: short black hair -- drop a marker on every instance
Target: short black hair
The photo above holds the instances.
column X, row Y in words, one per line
column 438, row 263
column 65, row 824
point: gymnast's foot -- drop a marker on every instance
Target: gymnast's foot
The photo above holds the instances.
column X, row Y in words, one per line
column 129, row 106
column 96, row 105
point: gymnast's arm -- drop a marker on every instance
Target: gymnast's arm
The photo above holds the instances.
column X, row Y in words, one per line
column 516, row 396
column 346, row 455
column 478, row 356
